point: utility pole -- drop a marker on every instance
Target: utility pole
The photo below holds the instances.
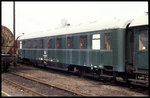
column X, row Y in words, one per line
column 14, row 24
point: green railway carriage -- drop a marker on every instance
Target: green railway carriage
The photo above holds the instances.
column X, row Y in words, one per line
column 137, row 60
column 110, row 48
column 88, row 49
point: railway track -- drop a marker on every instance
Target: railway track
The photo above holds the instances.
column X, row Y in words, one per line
column 54, row 77
column 42, row 88
column 119, row 81
column 22, row 87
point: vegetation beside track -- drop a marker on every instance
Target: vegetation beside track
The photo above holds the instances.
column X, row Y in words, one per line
column 3, row 94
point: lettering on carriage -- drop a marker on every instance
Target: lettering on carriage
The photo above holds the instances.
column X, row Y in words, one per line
column 45, row 54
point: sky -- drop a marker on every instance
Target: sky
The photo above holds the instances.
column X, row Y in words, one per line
column 42, row 16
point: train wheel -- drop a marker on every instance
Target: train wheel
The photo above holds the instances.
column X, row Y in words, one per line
column 113, row 80
column 5, row 66
column 70, row 68
column 2, row 66
column 125, row 78
column 35, row 64
column 81, row 72
column 14, row 63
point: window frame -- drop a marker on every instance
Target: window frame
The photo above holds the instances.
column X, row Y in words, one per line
column 58, row 43
column 20, row 45
column 84, row 46
column 23, row 44
column 96, row 38
column 70, row 43
column 41, row 43
column 106, row 42
column 49, row 43
column 35, row 43
column 140, row 40
column 29, row 43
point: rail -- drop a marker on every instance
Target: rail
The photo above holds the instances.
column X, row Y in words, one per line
column 28, row 89
column 49, row 84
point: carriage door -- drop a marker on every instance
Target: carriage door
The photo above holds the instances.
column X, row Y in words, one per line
column 129, row 50
column 141, row 47
column 44, row 51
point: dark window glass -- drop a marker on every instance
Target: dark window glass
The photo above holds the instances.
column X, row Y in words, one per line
column 70, row 42
column 107, row 41
column 58, row 43
column 83, row 42
column 50, row 43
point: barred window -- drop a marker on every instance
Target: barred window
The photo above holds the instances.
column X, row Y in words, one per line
column 83, row 42
column 35, row 44
column 143, row 40
column 50, row 43
column 29, row 43
column 70, row 42
column 41, row 43
column 107, row 41
column 58, row 43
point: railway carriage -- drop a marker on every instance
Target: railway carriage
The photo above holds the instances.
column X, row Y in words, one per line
column 115, row 48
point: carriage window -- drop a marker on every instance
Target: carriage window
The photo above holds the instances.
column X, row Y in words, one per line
column 143, row 40
column 96, row 41
column 41, row 43
column 50, row 43
column 107, row 41
column 58, row 43
column 83, row 42
column 20, row 45
column 29, row 44
column 23, row 44
column 34, row 44
column 70, row 42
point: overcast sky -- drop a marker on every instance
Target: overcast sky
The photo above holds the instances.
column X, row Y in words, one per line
column 40, row 16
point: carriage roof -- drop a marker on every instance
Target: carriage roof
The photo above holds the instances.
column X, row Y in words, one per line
column 103, row 25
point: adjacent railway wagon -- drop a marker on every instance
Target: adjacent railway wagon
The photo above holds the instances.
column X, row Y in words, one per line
column 7, row 53
column 117, row 48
